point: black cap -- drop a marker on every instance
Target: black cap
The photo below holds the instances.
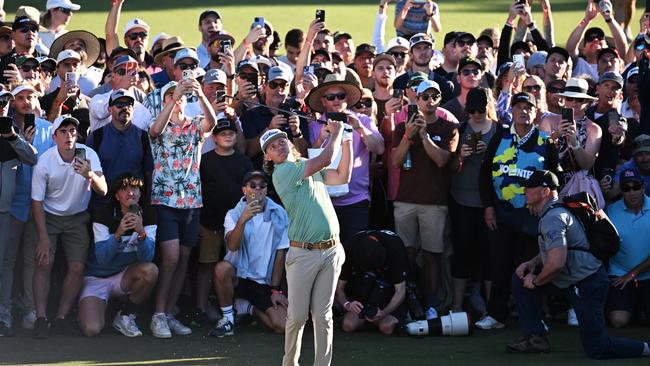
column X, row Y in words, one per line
column 365, row 47
column 340, row 34
column 121, row 51
column 594, row 31
column 207, row 13
column 369, row 253
column 477, row 99
column 450, row 37
column 542, row 178
column 470, row 61
column 606, row 50
column 523, row 97
column 222, row 125
column 322, row 52
column 461, row 35
column 486, row 38
column 253, row 174
column 560, row 51
column 520, row 45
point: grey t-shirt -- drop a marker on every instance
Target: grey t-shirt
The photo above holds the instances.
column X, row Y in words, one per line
column 558, row 227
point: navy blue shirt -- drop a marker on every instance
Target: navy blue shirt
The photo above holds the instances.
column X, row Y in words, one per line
column 120, row 152
column 160, row 79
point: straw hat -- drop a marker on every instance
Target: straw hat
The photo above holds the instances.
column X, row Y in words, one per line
column 353, row 92
column 171, row 44
column 89, row 39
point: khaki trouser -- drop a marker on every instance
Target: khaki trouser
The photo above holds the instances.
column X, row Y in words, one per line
column 311, row 278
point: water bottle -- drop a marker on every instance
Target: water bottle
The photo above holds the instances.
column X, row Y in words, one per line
column 408, row 163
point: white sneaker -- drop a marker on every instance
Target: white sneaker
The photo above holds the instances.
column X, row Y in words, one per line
column 177, row 327
column 126, row 325
column 431, row 313
column 29, row 319
column 487, row 322
column 159, row 327
column 572, row 318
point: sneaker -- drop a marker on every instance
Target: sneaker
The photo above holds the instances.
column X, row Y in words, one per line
column 487, row 322
column 177, row 327
column 65, row 326
column 125, row 324
column 223, row 328
column 29, row 319
column 530, row 344
column 5, row 316
column 41, row 328
column 159, row 327
column 5, row 331
column 572, row 318
column 431, row 313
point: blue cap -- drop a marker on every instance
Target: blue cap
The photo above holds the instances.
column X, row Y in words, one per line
column 120, row 93
column 426, row 85
column 630, row 175
column 124, row 59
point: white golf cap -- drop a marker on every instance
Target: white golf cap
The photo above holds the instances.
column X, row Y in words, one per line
column 22, row 88
column 277, row 72
column 6, row 92
column 136, row 23
column 67, row 54
column 52, row 4
column 65, row 118
column 398, row 42
column 186, row 53
column 269, row 136
column 215, row 76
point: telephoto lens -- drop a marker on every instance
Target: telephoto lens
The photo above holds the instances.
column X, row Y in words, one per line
column 368, row 312
column 454, row 324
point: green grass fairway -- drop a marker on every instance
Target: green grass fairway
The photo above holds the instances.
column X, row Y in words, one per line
column 255, row 346
column 357, row 17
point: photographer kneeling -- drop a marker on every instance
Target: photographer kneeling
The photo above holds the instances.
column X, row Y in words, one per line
column 372, row 285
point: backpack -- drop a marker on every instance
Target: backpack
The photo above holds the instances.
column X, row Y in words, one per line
column 604, row 241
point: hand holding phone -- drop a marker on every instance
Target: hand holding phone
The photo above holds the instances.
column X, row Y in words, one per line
column 320, row 15
column 259, row 22
column 6, row 125
column 29, row 121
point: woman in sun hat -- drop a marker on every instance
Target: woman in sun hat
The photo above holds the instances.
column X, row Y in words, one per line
column 56, row 17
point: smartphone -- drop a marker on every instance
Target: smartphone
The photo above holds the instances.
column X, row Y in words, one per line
column 473, row 139
column 612, row 118
column 308, row 70
column 251, row 78
column 398, row 93
column 134, row 208
column 521, row 2
column 607, row 175
column 6, row 124
column 337, row 117
column 259, row 21
column 30, row 121
column 518, row 61
column 188, row 74
column 604, row 7
column 80, row 154
column 226, row 45
column 412, row 111
column 567, row 115
column 221, row 96
column 70, row 80
column 320, row 15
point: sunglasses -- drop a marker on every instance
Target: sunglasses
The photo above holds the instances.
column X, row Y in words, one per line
column 277, row 84
column 26, row 29
column 331, row 97
column 461, row 43
column 65, row 10
column 253, row 185
column 398, row 54
column 468, row 72
column 629, row 188
column 122, row 104
column 572, row 99
column 554, row 90
column 120, row 71
column 533, row 88
column 28, row 68
column 363, row 104
column 135, row 35
column 5, row 37
column 184, row 66
column 474, row 110
column 425, row 96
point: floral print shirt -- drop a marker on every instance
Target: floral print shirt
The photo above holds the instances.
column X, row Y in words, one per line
column 177, row 155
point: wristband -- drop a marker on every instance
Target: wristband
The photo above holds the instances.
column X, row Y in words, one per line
column 275, row 291
column 509, row 24
column 345, row 305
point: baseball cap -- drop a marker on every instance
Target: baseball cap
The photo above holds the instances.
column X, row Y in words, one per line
column 67, row 54
column 594, row 32
column 641, row 143
column 560, row 51
column 487, row 39
column 26, row 15
column 365, row 47
column 630, row 175
column 477, row 99
column 368, row 253
column 520, row 45
column 450, row 37
column 120, row 93
column 631, row 72
column 136, row 23
column 340, row 34
column 166, row 88
column 536, row 59
column 43, row 59
column 186, row 53
column 207, row 13
column 253, row 174
column 466, row 35
column 417, row 78
column 470, row 61
column 397, row 42
column 611, row 76
column 523, row 97
column 215, row 76
column 606, row 50
column 64, row 120
column 247, row 63
column 4, row 92
column 420, row 38
column 322, row 52
column 67, row 4
column 269, row 136
column 277, row 72
column 504, row 67
column 384, row 57
column 223, row 124
column 119, row 51
column 124, row 59
column 21, row 88
column 542, row 178
column 426, row 85
column 24, row 58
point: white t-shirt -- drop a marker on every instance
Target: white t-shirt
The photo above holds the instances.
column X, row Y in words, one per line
column 583, row 67
column 55, row 183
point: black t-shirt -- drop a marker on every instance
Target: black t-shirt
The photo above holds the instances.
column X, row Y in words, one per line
column 221, row 178
column 395, row 268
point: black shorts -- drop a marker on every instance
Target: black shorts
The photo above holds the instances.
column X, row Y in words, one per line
column 630, row 298
column 257, row 294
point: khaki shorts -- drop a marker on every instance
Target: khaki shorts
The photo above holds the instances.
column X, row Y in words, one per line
column 210, row 244
column 422, row 226
column 73, row 232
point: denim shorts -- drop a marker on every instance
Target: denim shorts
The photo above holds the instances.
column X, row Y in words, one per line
column 178, row 224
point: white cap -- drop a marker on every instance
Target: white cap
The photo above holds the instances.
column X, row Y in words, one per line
column 136, row 23
column 4, row 92
column 186, row 53
column 157, row 37
column 215, row 76
column 397, row 42
column 22, row 88
column 64, row 118
column 166, row 87
column 51, row 4
column 277, row 72
column 269, row 136
column 67, row 54
column 426, row 85
column 262, row 60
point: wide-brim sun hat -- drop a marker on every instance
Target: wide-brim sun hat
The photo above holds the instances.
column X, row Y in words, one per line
column 353, row 92
column 89, row 39
column 577, row 88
